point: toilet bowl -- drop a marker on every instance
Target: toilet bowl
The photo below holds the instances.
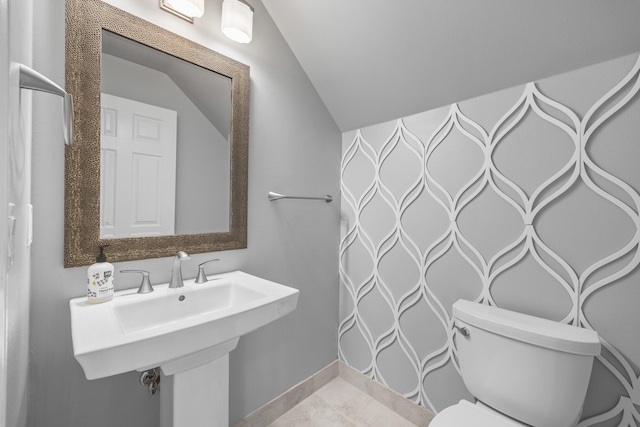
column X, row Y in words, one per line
column 523, row 370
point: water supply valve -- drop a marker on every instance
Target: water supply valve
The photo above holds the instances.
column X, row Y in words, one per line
column 151, row 379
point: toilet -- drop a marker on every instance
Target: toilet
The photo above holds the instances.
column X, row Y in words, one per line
column 522, row 370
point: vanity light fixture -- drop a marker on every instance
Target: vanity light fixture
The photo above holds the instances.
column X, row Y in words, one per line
column 237, row 20
column 185, row 9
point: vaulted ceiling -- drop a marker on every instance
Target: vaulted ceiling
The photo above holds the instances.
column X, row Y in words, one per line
column 378, row 60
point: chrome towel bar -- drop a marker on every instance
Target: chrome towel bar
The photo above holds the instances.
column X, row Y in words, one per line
column 277, row 196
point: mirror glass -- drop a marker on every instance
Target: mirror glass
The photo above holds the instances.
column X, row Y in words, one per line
column 136, row 86
column 165, row 143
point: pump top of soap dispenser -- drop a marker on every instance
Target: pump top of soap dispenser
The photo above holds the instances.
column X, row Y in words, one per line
column 102, row 257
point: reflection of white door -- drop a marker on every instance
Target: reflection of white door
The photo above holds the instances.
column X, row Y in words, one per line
column 137, row 168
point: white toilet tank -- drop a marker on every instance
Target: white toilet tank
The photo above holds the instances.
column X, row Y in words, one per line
column 531, row 369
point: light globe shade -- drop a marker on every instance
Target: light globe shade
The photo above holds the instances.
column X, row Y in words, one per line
column 237, row 21
column 189, row 8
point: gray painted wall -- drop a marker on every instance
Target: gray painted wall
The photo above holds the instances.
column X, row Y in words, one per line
column 530, row 207
column 294, row 147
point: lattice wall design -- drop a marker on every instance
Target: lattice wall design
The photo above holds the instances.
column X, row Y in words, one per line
column 396, row 325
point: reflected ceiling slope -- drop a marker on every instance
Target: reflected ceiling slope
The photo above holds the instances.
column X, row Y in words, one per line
column 209, row 92
column 377, row 60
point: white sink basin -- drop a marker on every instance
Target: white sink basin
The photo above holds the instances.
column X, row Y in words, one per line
column 175, row 329
column 175, row 306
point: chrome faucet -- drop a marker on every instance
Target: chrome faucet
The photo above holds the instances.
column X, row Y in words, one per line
column 176, row 274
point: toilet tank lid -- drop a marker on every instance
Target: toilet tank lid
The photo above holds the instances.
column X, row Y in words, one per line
column 528, row 329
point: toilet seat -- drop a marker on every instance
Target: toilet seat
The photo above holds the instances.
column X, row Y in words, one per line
column 466, row 414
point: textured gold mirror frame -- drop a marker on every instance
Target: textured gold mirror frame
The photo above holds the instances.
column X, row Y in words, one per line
column 85, row 20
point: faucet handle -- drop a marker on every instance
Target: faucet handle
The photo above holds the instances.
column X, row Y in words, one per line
column 202, row 278
column 145, row 286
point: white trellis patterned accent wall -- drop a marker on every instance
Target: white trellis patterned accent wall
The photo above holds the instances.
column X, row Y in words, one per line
column 539, row 214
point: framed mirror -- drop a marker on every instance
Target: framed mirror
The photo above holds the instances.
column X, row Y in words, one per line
column 160, row 157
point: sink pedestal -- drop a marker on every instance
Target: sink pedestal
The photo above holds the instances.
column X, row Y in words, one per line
column 197, row 396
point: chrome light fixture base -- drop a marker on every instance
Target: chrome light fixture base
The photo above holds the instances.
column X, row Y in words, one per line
column 166, row 6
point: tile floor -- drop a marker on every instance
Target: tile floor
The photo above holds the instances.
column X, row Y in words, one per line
column 340, row 404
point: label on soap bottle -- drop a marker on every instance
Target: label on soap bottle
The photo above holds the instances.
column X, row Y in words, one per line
column 100, row 283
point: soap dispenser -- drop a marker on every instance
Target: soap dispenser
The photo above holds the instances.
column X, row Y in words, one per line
column 100, row 280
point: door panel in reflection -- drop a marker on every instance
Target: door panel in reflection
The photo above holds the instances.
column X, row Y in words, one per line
column 137, row 169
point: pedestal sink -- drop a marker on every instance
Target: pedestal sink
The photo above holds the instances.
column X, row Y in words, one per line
column 188, row 332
